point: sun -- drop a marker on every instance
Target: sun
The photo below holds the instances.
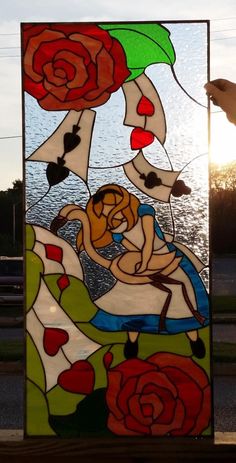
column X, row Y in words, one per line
column 223, row 139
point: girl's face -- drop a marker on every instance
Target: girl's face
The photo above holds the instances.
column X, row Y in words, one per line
column 119, row 221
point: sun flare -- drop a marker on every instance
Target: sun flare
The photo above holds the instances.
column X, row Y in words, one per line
column 223, row 140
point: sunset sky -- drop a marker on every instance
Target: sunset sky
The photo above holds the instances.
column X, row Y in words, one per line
column 223, row 58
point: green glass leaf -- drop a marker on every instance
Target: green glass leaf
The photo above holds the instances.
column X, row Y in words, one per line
column 29, row 237
column 74, row 299
column 61, row 402
column 96, row 360
column 90, row 418
column 34, row 269
column 144, row 44
column 37, row 412
column 35, row 371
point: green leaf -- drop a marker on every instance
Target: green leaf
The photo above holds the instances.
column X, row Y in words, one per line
column 89, row 418
column 34, row 269
column 37, row 412
column 75, row 299
column 62, row 402
column 96, row 360
column 35, row 371
column 29, row 237
column 144, row 44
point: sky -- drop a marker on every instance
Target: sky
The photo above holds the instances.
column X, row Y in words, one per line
column 222, row 15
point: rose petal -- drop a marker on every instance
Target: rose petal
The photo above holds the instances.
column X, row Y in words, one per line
column 185, row 364
column 51, row 103
column 177, row 422
column 90, row 30
column 119, row 427
column 203, row 419
column 137, row 412
column 189, row 393
column 33, row 88
column 121, row 72
column 113, row 390
column 91, row 44
column 162, row 396
column 133, row 367
column 126, row 392
column 156, row 403
column 30, row 30
column 30, row 64
column 51, row 77
column 147, row 409
column 59, row 92
column 158, row 379
column 64, row 69
column 80, row 74
column 104, row 74
column 47, row 52
column 132, row 424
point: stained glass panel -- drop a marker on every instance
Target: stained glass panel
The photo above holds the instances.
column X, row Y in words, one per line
column 117, row 251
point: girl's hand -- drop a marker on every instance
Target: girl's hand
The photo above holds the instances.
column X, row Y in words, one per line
column 140, row 267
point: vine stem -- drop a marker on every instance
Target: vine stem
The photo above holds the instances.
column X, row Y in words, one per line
column 40, row 199
column 183, row 89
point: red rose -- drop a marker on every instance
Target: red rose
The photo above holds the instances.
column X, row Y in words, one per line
column 165, row 395
column 71, row 66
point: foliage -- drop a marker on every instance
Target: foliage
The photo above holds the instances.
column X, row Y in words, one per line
column 223, row 177
column 135, row 38
column 11, row 216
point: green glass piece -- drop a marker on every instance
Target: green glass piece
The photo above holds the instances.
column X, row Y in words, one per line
column 89, row 418
column 29, row 237
column 37, row 412
column 96, row 360
column 144, row 44
column 35, row 371
column 34, row 269
column 74, row 299
column 62, row 402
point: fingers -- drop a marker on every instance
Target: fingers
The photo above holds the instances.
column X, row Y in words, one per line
column 221, row 84
column 214, row 93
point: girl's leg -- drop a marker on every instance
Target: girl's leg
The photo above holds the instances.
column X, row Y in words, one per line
column 196, row 343
column 131, row 345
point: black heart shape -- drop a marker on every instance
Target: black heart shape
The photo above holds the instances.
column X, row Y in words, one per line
column 56, row 173
column 71, row 140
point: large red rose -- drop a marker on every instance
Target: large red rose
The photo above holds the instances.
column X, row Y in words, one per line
column 167, row 394
column 71, row 66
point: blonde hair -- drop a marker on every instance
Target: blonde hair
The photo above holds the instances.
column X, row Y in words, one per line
column 100, row 225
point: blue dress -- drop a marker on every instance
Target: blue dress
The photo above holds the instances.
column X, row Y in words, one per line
column 150, row 323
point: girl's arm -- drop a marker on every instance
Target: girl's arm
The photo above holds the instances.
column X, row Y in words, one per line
column 147, row 249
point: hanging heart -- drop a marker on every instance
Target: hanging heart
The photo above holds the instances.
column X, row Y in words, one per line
column 145, row 107
column 56, row 173
column 140, row 138
column 80, row 378
column 54, row 339
column 71, row 140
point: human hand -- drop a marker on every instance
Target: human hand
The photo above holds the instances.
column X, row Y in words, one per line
column 140, row 267
column 222, row 93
